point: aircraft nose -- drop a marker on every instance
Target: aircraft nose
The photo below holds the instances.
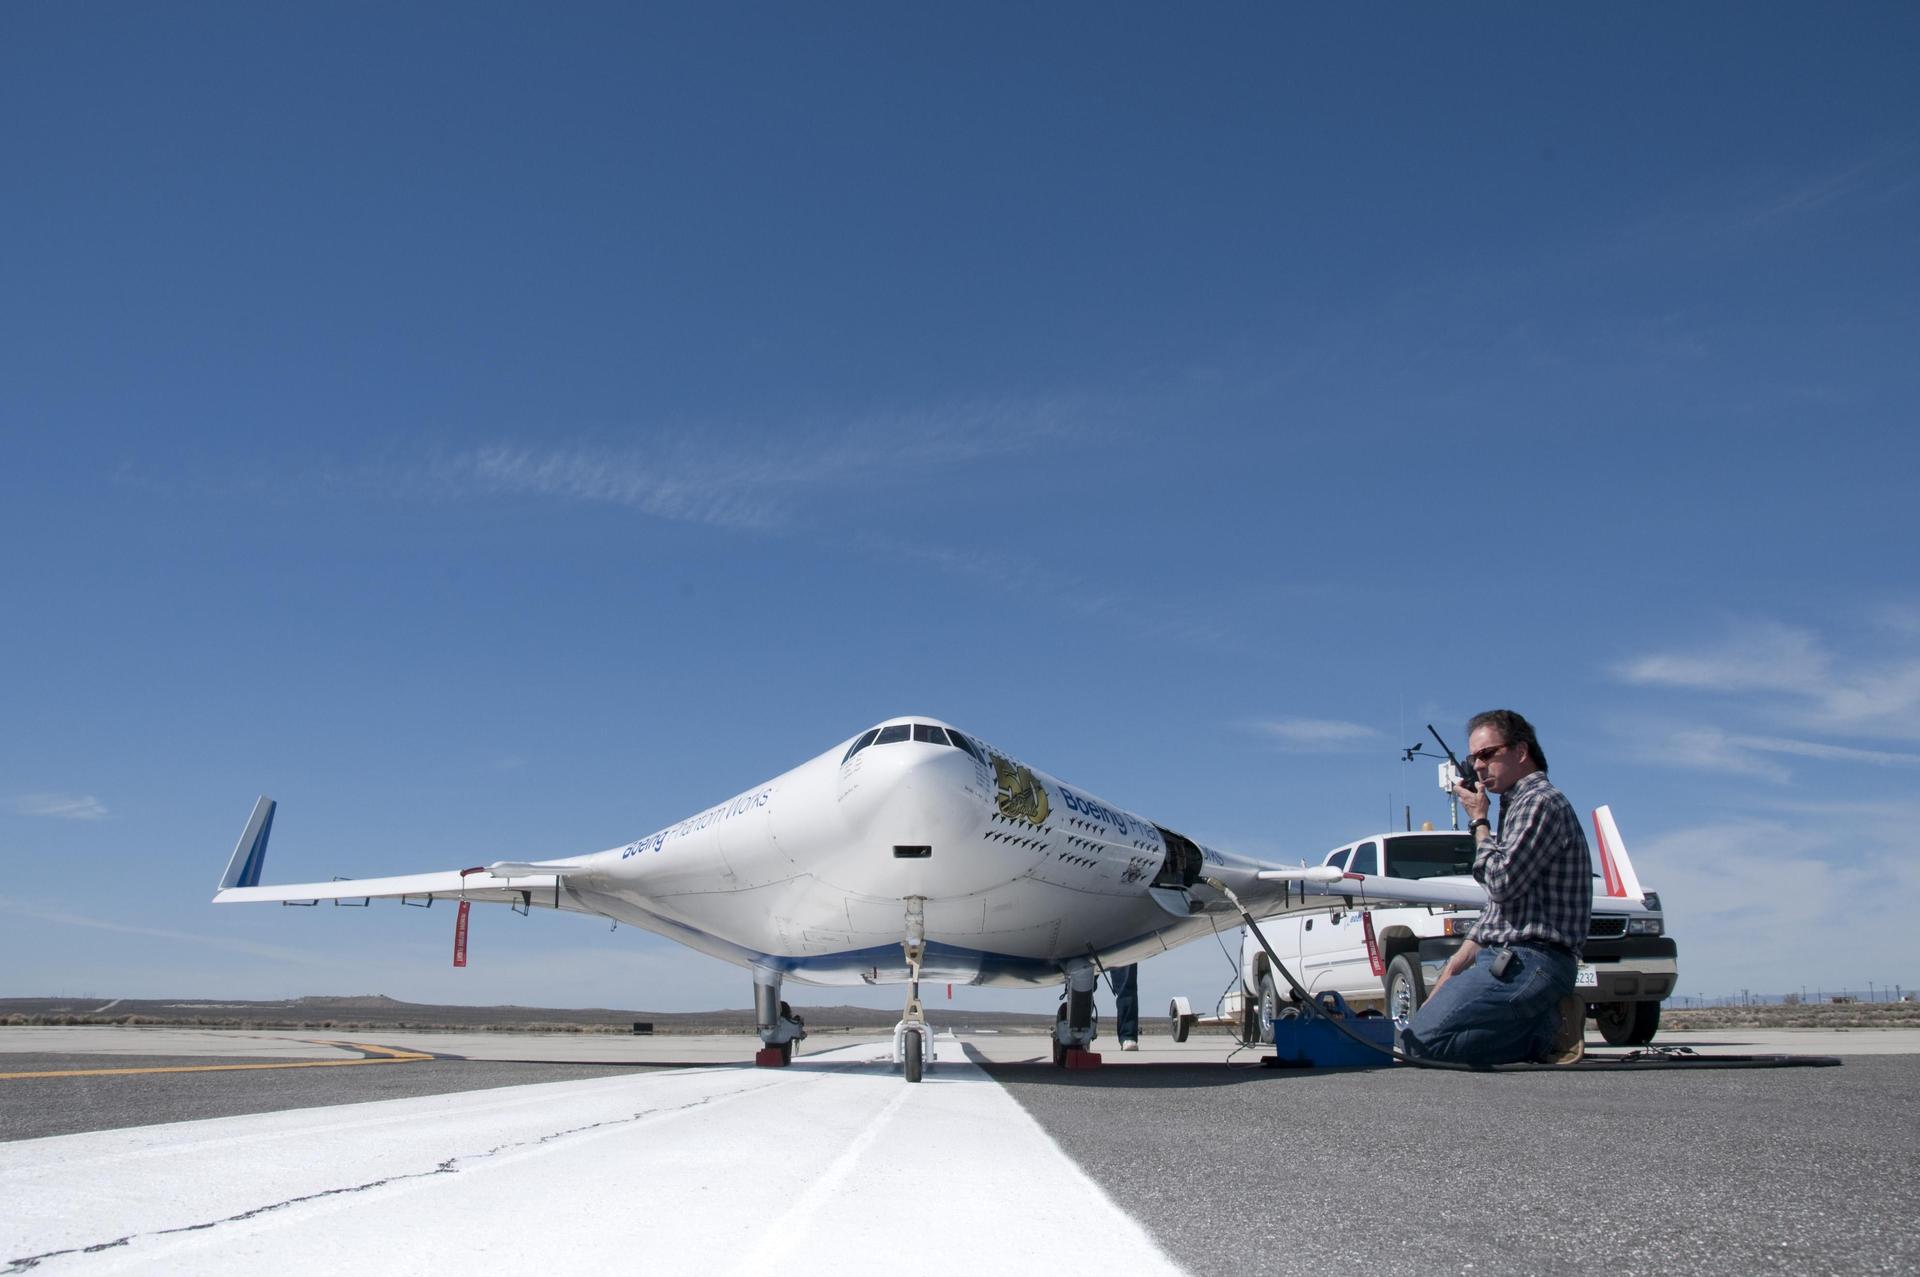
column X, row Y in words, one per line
column 912, row 795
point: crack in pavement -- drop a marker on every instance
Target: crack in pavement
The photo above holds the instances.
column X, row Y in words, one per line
column 451, row 1166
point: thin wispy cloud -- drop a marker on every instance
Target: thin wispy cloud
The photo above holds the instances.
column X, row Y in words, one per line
column 1725, row 885
column 1022, row 577
column 1714, row 749
column 62, row 918
column 1767, row 657
column 757, row 480
column 749, row 476
column 1901, row 619
column 1799, row 682
column 1824, row 752
column 1315, row 733
column 665, row 483
column 58, row 806
column 1813, row 193
column 1708, row 749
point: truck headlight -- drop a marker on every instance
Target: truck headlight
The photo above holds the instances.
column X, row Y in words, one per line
column 1460, row 924
column 1644, row 927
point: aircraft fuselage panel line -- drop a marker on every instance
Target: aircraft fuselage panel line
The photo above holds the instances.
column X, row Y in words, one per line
column 674, row 1168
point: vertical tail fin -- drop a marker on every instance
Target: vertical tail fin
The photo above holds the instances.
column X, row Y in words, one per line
column 1615, row 867
column 250, row 853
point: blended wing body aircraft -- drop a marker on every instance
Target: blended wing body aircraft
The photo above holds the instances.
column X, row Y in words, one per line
column 910, row 852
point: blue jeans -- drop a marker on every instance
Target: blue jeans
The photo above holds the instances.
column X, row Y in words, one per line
column 1126, row 1000
column 1480, row 1020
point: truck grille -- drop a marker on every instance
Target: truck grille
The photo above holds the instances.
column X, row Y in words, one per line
column 1607, row 928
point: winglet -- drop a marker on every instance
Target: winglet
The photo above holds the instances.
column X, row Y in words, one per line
column 1615, row 867
column 250, row 853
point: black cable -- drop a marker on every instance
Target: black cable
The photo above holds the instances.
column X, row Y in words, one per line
column 1307, row 999
column 1660, row 1057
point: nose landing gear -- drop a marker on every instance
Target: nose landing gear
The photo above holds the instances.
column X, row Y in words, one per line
column 912, row 1037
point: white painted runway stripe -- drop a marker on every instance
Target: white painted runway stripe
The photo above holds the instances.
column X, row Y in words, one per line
column 835, row 1165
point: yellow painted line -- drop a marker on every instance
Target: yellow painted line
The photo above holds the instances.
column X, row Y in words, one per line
column 380, row 1055
column 393, row 1052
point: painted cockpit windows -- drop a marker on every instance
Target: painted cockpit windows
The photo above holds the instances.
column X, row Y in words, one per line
column 925, row 733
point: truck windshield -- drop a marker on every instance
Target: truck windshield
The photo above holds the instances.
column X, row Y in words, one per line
column 1431, row 857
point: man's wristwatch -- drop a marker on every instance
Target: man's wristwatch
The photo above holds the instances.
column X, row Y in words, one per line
column 1477, row 822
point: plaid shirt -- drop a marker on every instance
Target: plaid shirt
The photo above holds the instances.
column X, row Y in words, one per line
column 1537, row 871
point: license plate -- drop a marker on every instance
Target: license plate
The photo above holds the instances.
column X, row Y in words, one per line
column 1586, row 978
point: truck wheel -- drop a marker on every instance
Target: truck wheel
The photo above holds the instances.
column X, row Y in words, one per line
column 1627, row 1023
column 1406, row 989
column 1269, row 1007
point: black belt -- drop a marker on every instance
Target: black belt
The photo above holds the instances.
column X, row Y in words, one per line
column 1533, row 943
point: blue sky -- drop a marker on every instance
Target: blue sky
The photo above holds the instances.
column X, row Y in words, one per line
column 498, row 433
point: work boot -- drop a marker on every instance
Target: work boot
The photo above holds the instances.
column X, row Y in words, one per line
column 1570, row 1041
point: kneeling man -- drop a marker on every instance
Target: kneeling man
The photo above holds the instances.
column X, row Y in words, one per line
column 1507, row 994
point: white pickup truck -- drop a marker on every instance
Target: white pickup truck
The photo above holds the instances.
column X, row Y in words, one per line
column 1389, row 957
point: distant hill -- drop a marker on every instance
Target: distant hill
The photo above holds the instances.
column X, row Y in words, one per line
column 1815, row 1015
column 373, row 1011
column 377, row 1011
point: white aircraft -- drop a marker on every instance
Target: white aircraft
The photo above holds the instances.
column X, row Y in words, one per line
column 910, row 852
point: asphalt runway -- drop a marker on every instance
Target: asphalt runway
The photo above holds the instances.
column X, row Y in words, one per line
column 1225, row 1167
column 75, row 1098
column 1407, row 1171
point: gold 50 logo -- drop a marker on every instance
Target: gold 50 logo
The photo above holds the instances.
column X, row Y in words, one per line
column 1021, row 796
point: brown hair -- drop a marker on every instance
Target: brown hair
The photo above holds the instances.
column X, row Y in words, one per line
column 1513, row 729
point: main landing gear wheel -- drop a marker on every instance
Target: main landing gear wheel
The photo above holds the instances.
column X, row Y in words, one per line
column 1627, row 1023
column 1076, row 1022
column 913, row 1057
column 786, row 1048
column 779, row 1028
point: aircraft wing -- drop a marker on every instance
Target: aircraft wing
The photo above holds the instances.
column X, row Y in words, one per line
column 1369, row 889
column 1268, row 891
column 504, row 882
